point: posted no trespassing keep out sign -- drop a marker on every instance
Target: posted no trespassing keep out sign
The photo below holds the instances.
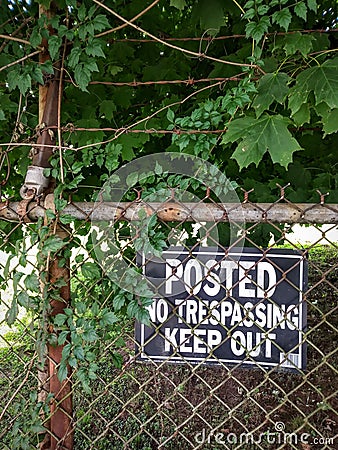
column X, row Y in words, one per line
column 240, row 307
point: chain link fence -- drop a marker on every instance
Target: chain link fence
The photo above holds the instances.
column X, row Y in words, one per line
column 234, row 344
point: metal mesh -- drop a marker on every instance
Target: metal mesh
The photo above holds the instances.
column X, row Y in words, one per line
column 189, row 396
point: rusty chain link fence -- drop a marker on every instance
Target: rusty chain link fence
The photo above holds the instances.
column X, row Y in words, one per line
column 233, row 346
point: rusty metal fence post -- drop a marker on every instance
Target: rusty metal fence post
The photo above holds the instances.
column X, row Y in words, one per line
column 59, row 424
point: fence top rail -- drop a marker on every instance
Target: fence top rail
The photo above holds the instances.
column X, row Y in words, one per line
column 278, row 212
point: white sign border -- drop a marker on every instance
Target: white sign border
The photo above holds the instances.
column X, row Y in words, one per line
column 179, row 359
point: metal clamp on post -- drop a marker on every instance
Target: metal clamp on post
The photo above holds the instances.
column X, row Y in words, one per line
column 35, row 182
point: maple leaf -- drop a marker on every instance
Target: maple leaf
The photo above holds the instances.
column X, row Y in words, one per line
column 298, row 42
column 329, row 118
column 321, row 80
column 257, row 136
column 271, row 87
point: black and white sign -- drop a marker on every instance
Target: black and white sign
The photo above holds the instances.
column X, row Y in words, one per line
column 210, row 307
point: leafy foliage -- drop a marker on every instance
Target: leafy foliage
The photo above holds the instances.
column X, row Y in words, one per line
column 261, row 104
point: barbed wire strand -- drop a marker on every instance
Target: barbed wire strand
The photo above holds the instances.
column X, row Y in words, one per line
column 221, row 38
column 188, row 82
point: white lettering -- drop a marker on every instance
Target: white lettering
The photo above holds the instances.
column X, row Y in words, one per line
column 190, row 286
column 245, row 279
column 191, row 311
column 228, row 267
column 186, row 341
column 248, row 313
column 237, row 343
column 251, row 343
column 215, row 316
column 214, row 338
column 170, row 339
column 173, row 272
column 199, row 344
column 236, row 314
column 211, row 278
column 260, row 315
column 263, row 267
column 185, row 335
column 292, row 322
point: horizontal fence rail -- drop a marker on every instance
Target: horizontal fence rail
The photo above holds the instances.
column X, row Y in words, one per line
column 312, row 213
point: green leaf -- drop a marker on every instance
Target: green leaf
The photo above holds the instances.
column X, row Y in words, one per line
column 23, row 299
column 32, row 283
column 179, row 4
column 74, row 57
column 271, row 87
column 329, row 120
column 117, row 360
column 127, row 153
column 78, row 352
column 312, row 5
column 282, row 18
column 35, row 37
column 119, row 302
column 12, row 313
column 256, row 137
column 321, row 80
column 142, row 315
column 170, row 115
column 82, row 76
column 2, row 115
column 16, row 280
column 37, row 75
column 52, row 244
column 94, row 48
column 16, row 79
column 301, row 10
column 60, row 204
column 302, row 115
column 91, row 270
column 108, row 318
column 47, row 67
column 158, row 168
column 62, row 371
column 90, row 335
column 81, row 12
column 72, row 361
column 262, row 10
column 132, row 179
column 91, row 65
column 298, row 42
column 62, row 338
column 114, row 70
column 81, row 307
column 66, row 219
column 256, row 30
column 107, row 108
column 54, row 44
column 211, row 15
column 100, row 22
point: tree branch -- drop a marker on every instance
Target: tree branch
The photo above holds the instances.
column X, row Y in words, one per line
column 12, row 38
column 20, row 60
column 167, row 44
column 131, row 20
